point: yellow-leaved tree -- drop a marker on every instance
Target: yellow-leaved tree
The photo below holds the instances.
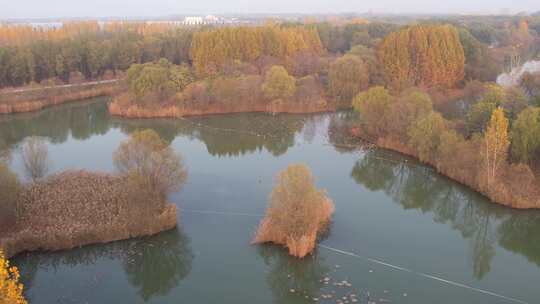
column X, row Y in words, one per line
column 11, row 291
column 496, row 144
column 422, row 55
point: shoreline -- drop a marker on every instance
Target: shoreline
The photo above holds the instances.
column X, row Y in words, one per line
column 220, row 108
column 174, row 111
column 35, row 99
column 18, row 242
column 387, row 144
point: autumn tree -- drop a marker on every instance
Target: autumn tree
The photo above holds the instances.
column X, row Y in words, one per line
column 150, row 164
column 447, row 154
column 347, row 77
column 425, row 135
column 212, row 49
column 297, row 213
column 525, row 135
column 373, row 105
column 480, row 113
column 147, row 78
column 410, row 106
column 32, row 54
column 278, row 84
column 495, row 146
column 11, row 290
column 161, row 79
column 180, row 77
column 369, row 57
column 423, row 55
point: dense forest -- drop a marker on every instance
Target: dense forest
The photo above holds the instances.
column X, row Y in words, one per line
column 85, row 50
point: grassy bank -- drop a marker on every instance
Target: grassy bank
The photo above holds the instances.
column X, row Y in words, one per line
column 33, row 99
column 77, row 208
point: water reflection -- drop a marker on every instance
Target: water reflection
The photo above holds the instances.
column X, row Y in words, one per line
column 153, row 265
column 293, row 280
column 81, row 120
column 156, row 265
column 224, row 135
column 338, row 131
column 228, row 135
column 481, row 222
column 520, row 234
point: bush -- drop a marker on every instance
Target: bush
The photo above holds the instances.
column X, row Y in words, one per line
column 151, row 165
column 298, row 212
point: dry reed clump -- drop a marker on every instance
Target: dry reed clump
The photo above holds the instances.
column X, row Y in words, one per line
column 36, row 100
column 76, row 208
column 297, row 214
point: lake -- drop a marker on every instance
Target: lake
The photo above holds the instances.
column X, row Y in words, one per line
column 401, row 233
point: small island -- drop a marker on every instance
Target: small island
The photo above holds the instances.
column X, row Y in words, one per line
column 75, row 208
column 297, row 214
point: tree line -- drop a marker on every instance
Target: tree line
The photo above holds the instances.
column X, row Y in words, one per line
column 85, row 50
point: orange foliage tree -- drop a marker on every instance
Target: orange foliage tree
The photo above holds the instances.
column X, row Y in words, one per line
column 423, row 55
column 11, row 291
column 211, row 50
column 298, row 212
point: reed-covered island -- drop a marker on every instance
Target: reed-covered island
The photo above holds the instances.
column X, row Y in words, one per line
column 75, row 208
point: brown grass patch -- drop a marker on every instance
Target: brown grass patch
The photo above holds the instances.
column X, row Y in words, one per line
column 18, row 102
column 76, row 208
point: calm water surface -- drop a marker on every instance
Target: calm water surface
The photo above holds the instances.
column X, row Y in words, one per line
column 442, row 243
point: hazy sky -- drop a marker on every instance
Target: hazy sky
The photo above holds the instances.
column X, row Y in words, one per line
column 102, row 8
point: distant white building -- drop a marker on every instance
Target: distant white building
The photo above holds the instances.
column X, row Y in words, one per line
column 209, row 19
column 193, row 21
